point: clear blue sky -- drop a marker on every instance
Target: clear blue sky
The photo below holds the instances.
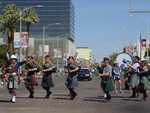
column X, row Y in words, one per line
column 105, row 25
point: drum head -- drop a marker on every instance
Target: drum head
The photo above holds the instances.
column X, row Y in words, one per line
column 124, row 58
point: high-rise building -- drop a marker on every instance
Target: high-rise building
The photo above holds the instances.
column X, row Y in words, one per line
column 51, row 12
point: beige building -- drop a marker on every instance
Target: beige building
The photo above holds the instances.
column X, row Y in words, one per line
column 84, row 55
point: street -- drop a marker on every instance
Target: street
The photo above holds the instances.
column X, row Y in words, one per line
column 89, row 100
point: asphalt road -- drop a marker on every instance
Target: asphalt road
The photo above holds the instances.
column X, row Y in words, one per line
column 89, row 100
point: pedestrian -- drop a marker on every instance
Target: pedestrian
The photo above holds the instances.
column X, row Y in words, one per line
column 106, row 81
column 47, row 81
column 31, row 80
column 72, row 71
column 116, row 74
column 134, row 80
column 13, row 77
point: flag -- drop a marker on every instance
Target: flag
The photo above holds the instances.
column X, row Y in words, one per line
column 143, row 43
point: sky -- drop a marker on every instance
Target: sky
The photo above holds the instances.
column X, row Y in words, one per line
column 105, row 26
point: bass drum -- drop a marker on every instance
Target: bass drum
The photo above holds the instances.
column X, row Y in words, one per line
column 124, row 58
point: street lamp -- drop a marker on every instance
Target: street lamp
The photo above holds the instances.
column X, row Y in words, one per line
column 57, row 46
column 131, row 12
column 20, row 13
column 44, row 33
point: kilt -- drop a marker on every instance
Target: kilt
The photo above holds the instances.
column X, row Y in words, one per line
column 12, row 83
column 30, row 81
column 107, row 84
column 144, row 83
column 47, row 81
column 71, row 82
column 135, row 80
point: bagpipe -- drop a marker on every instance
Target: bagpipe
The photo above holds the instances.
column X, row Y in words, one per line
column 49, row 69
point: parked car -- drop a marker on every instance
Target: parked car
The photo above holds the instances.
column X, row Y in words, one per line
column 84, row 74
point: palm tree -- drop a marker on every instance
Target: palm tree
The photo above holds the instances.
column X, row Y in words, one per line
column 30, row 17
column 8, row 22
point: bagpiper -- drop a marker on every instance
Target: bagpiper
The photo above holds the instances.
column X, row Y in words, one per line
column 144, row 83
column 47, row 81
column 12, row 72
column 31, row 80
column 72, row 69
column 134, row 79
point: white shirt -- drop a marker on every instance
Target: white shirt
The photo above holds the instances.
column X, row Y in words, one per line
column 135, row 66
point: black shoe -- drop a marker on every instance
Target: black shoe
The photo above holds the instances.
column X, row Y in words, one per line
column 108, row 98
column 48, row 94
column 145, row 97
column 73, row 96
column 31, row 96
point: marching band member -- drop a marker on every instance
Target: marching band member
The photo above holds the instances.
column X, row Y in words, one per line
column 31, row 80
column 134, row 68
column 71, row 82
column 13, row 76
column 47, row 81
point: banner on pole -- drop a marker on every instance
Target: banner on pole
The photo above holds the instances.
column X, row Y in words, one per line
column 21, row 40
column 24, row 39
column 46, row 50
column 17, row 40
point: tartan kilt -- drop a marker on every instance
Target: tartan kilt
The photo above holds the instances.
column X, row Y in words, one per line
column 30, row 81
column 47, row 81
column 135, row 80
column 144, row 83
column 71, row 82
column 107, row 85
column 12, row 83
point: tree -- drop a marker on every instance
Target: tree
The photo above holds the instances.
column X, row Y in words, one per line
column 8, row 20
column 30, row 17
column 113, row 57
column 3, row 51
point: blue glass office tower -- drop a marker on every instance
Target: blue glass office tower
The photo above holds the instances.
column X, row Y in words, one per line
column 53, row 11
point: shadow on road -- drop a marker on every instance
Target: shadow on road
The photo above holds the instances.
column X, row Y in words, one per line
column 121, row 97
column 31, row 98
column 95, row 99
column 131, row 100
column 4, row 101
column 61, row 98
column 61, row 95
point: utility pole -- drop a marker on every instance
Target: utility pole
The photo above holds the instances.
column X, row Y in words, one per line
column 131, row 12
